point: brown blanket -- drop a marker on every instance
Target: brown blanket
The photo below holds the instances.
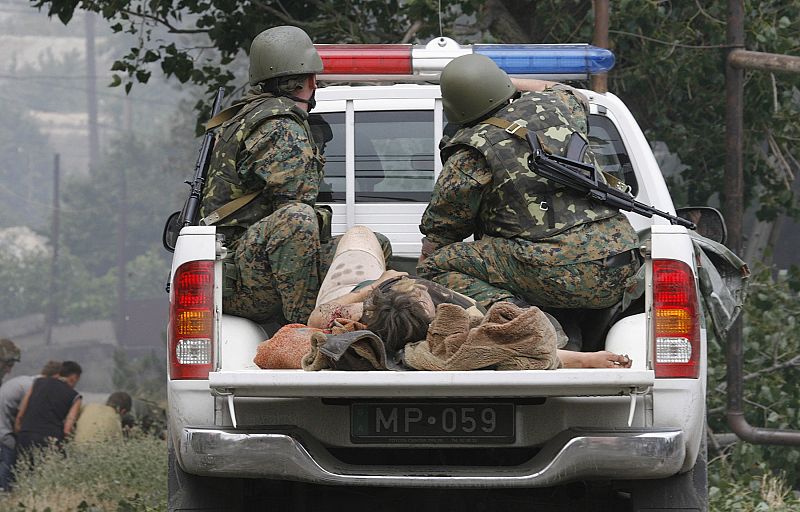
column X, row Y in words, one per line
column 508, row 338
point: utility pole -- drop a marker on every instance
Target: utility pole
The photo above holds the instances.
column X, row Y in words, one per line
column 737, row 60
column 122, row 235
column 599, row 82
column 91, row 92
column 52, row 311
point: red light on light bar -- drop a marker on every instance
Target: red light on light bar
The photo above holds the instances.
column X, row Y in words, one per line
column 365, row 59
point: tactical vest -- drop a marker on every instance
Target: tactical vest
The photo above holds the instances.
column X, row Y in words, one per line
column 520, row 203
column 224, row 182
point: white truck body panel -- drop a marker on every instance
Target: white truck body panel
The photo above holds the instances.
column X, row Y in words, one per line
column 603, row 424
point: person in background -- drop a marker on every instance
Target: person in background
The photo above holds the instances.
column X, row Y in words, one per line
column 147, row 416
column 9, row 356
column 98, row 422
column 49, row 409
column 11, row 393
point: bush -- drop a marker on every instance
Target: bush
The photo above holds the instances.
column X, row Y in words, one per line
column 117, row 476
column 745, row 476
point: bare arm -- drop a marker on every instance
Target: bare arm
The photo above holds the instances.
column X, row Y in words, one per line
column 531, row 84
column 72, row 416
column 321, row 316
column 23, row 406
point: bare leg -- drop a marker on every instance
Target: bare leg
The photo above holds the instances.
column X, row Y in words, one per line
column 600, row 359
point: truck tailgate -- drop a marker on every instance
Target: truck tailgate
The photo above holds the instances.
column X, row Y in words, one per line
column 481, row 383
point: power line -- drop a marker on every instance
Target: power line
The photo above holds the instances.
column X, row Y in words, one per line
column 111, row 95
column 53, row 77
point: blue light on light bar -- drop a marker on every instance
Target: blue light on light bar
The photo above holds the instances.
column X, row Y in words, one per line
column 541, row 59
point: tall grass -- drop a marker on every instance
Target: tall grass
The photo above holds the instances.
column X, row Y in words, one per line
column 121, row 476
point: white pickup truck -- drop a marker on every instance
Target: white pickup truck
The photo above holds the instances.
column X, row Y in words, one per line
column 637, row 434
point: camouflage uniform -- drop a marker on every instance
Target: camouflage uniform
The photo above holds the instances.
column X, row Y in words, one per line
column 535, row 240
column 274, row 240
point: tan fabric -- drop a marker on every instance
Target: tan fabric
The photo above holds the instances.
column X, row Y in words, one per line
column 508, row 338
column 358, row 258
column 97, row 423
column 314, row 361
column 286, row 348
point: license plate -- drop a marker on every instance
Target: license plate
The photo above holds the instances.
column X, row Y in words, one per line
column 437, row 423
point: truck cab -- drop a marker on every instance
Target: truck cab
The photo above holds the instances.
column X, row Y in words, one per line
column 639, row 431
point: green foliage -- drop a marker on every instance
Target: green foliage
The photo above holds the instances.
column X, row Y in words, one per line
column 111, row 476
column 670, row 62
column 25, row 278
column 228, row 27
column 729, row 492
column 771, row 363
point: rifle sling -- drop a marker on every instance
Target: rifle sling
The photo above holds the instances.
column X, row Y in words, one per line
column 223, row 116
column 227, row 209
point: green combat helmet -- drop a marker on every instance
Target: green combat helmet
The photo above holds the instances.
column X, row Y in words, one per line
column 9, row 352
column 472, row 86
column 282, row 51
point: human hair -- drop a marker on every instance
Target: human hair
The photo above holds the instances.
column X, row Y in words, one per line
column 51, row 368
column 119, row 400
column 70, row 368
column 284, row 84
column 396, row 314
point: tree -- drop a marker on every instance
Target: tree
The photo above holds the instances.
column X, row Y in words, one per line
column 25, row 171
column 669, row 62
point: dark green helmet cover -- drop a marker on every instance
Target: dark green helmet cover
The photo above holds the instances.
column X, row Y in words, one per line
column 472, row 86
column 282, row 51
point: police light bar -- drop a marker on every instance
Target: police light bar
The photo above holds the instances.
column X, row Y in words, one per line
column 400, row 62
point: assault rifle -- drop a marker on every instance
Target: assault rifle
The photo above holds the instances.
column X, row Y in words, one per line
column 188, row 216
column 574, row 174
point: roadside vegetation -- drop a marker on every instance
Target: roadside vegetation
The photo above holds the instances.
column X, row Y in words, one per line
column 110, row 477
column 743, row 476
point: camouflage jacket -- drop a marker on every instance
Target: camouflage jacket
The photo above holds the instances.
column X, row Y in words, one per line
column 266, row 147
column 505, row 200
column 522, row 203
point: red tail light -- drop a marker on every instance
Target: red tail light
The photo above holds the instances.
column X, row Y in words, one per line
column 676, row 321
column 191, row 333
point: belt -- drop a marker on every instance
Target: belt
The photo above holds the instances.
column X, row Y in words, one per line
column 620, row 259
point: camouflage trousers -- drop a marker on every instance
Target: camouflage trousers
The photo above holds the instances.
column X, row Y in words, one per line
column 488, row 271
column 280, row 263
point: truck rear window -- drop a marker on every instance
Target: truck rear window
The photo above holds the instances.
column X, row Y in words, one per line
column 393, row 157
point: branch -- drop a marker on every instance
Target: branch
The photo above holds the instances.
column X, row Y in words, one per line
column 793, row 362
column 704, row 13
column 173, row 29
column 668, row 43
column 286, row 18
column 411, row 32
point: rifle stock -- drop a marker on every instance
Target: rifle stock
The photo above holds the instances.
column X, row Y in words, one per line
column 582, row 177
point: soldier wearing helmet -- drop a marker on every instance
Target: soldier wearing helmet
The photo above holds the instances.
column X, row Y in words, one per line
column 263, row 183
column 9, row 356
column 536, row 242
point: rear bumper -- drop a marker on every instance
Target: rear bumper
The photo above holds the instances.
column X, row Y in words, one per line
column 572, row 455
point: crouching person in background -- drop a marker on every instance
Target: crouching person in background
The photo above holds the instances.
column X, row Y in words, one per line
column 98, row 422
